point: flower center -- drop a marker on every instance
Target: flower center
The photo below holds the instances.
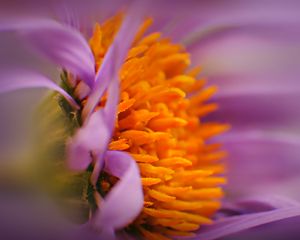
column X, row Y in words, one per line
column 159, row 124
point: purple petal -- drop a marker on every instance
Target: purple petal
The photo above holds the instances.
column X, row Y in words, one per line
column 244, row 16
column 125, row 201
column 30, row 214
column 290, row 34
column 283, row 229
column 266, row 107
column 255, row 204
column 95, row 135
column 261, row 163
column 250, row 213
column 91, row 138
column 109, row 116
column 284, row 79
column 111, row 107
column 21, row 79
column 237, row 224
column 68, row 15
column 113, row 60
column 62, row 45
column 246, row 54
column 109, row 72
column 27, row 214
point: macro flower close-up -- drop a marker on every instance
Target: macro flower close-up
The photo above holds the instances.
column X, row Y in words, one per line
column 150, row 120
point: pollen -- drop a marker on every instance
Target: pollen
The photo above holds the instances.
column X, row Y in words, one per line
column 160, row 124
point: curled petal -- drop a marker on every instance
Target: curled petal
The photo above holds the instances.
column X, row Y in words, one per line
column 63, row 45
column 107, row 77
column 94, row 136
column 113, row 61
column 125, row 201
column 21, row 79
column 91, row 138
column 109, row 116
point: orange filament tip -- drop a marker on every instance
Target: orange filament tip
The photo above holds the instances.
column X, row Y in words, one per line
column 159, row 125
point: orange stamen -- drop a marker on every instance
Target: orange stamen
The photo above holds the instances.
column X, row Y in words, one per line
column 158, row 125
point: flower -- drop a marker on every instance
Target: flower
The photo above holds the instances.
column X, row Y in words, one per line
column 157, row 123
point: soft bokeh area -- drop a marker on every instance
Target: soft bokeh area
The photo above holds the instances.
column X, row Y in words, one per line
column 249, row 50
